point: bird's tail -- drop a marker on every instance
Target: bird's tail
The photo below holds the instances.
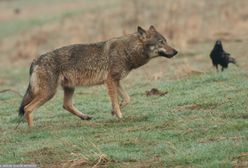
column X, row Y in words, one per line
column 232, row 60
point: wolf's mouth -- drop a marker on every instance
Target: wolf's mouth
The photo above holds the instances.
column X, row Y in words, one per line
column 167, row 54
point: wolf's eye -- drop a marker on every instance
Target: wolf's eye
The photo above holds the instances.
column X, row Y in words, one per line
column 161, row 41
column 152, row 47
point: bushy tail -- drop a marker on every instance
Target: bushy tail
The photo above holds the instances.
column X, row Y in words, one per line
column 28, row 95
column 26, row 99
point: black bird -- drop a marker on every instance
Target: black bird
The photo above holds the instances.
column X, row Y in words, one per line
column 220, row 57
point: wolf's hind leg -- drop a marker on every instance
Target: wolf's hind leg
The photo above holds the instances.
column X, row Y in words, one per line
column 68, row 105
column 123, row 94
column 38, row 100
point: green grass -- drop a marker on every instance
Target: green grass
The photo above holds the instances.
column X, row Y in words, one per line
column 201, row 122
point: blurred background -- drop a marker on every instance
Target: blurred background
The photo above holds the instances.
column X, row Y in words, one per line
column 29, row 28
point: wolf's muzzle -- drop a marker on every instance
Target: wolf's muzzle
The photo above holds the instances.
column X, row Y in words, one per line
column 167, row 54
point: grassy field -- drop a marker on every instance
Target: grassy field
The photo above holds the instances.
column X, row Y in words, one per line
column 201, row 122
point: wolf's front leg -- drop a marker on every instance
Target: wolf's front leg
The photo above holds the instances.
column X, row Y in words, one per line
column 113, row 94
column 123, row 94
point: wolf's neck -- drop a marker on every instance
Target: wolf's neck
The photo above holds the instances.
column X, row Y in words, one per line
column 136, row 55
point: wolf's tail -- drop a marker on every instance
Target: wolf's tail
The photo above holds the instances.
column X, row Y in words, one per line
column 27, row 97
column 26, row 100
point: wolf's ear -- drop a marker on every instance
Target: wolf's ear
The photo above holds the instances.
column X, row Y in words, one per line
column 152, row 28
column 141, row 32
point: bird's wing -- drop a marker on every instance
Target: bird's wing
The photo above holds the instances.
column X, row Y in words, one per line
column 226, row 53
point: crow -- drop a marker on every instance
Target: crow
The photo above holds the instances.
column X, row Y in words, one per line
column 220, row 57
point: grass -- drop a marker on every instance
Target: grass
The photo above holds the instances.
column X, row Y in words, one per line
column 201, row 122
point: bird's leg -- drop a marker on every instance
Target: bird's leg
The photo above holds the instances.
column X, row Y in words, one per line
column 216, row 66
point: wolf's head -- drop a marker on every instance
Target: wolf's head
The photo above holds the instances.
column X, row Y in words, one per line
column 155, row 44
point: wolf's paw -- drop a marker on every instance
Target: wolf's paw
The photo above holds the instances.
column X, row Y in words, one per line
column 86, row 117
column 123, row 104
column 118, row 115
column 113, row 112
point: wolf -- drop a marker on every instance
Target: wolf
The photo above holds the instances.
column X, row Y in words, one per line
column 106, row 62
column 220, row 57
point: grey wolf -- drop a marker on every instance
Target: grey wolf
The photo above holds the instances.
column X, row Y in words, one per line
column 106, row 62
column 220, row 57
